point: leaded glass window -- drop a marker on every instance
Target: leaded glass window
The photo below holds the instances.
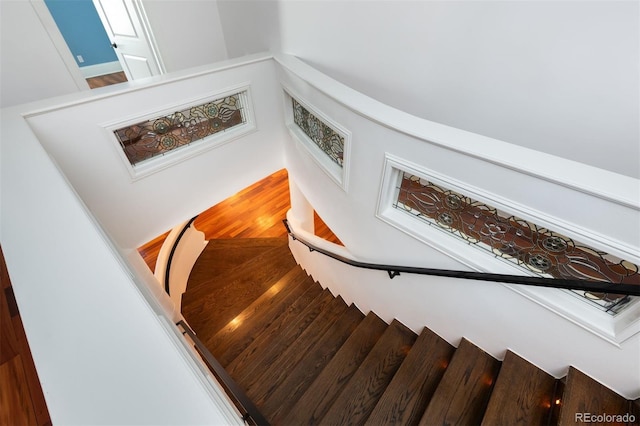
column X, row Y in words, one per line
column 159, row 135
column 327, row 139
column 537, row 249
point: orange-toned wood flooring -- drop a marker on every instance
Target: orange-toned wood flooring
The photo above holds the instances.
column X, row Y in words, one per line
column 255, row 212
column 106, row 80
column 21, row 398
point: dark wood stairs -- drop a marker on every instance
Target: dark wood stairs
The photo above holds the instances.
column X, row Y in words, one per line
column 304, row 357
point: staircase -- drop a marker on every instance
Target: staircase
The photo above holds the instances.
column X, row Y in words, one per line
column 305, row 357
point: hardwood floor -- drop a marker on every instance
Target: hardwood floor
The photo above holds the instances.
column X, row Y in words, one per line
column 255, row 212
column 21, row 398
column 106, row 80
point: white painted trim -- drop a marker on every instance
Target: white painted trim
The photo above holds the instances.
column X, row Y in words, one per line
column 161, row 162
column 614, row 330
column 340, row 175
column 566, row 304
column 455, row 248
column 17, row 132
column 96, row 70
column 54, row 104
column 601, row 183
column 588, row 237
column 165, row 315
column 59, row 43
column 204, row 375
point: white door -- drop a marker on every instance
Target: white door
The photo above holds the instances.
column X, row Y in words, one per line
column 123, row 22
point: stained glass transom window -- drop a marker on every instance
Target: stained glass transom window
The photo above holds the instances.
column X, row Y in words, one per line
column 327, row 139
column 534, row 248
column 157, row 136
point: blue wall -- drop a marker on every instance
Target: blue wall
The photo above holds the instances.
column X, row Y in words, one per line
column 81, row 28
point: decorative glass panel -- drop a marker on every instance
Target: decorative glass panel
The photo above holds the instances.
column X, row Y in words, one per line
column 534, row 248
column 160, row 135
column 319, row 132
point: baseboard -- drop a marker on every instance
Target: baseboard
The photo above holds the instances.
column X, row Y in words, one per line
column 100, row 69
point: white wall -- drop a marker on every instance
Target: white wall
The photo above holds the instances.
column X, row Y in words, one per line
column 99, row 326
column 109, row 333
column 30, row 66
column 559, row 77
column 188, row 33
column 134, row 212
column 488, row 314
column 250, row 26
column 594, row 207
column 103, row 350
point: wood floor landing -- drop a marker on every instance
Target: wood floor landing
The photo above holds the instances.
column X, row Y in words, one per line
column 255, row 212
column 233, row 285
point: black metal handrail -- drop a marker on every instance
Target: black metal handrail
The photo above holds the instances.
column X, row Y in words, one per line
column 250, row 413
column 172, row 252
column 393, row 271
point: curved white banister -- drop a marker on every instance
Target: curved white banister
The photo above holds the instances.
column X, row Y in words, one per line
column 178, row 254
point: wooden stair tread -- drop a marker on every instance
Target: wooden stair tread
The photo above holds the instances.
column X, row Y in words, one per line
column 229, row 265
column 304, row 357
column 243, row 329
column 274, row 329
column 463, row 393
column 280, row 401
column 268, row 349
column 265, row 383
column 406, row 398
column 522, row 394
column 582, row 394
column 324, row 390
column 223, row 255
column 359, row 397
column 235, row 291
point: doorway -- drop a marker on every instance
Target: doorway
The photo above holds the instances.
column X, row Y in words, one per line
column 101, row 42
